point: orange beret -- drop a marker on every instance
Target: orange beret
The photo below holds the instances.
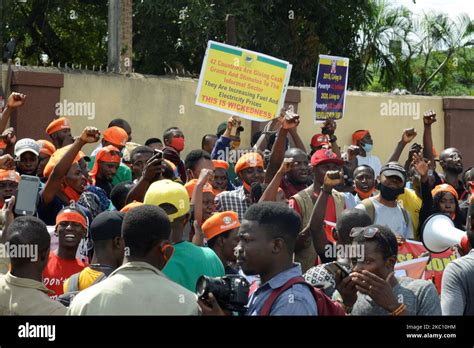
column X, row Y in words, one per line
column 57, row 125
column 56, row 156
column 46, row 147
column 9, row 175
column 220, row 223
column 444, row 188
column 249, row 160
column 190, row 185
column 129, row 206
column 116, row 136
column 220, row 164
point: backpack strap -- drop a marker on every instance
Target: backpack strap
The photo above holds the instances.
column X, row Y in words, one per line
column 369, row 208
column 324, row 304
column 73, row 284
column 267, row 306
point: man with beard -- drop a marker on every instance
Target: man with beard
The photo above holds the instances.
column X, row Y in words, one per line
column 303, row 203
column 60, row 132
column 384, row 208
column 250, row 170
column 450, row 160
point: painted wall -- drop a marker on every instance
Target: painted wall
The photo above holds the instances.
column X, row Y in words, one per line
column 152, row 104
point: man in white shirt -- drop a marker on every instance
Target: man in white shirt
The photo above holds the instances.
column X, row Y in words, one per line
column 384, row 209
column 363, row 140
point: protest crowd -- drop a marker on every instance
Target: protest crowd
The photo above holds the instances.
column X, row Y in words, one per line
column 275, row 227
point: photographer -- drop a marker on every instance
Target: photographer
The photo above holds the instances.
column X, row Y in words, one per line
column 267, row 240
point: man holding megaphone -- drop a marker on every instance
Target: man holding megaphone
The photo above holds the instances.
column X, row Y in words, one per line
column 457, row 297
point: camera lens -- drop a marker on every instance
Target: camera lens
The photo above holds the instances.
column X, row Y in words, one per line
column 202, row 286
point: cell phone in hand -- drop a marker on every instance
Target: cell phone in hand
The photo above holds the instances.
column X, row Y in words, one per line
column 333, row 267
column 27, row 195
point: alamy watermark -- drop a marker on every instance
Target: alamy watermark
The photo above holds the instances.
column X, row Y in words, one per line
column 400, row 109
column 21, row 251
column 75, row 109
column 347, row 252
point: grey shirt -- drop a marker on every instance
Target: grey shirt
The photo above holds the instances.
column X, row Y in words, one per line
column 418, row 295
column 457, row 286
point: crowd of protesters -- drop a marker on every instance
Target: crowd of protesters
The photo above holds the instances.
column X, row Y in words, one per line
column 130, row 229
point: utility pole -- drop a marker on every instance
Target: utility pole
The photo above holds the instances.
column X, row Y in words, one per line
column 113, row 47
column 120, row 36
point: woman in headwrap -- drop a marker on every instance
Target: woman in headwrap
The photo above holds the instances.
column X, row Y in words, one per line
column 65, row 179
column 441, row 199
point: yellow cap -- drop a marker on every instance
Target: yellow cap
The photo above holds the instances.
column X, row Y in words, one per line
column 167, row 191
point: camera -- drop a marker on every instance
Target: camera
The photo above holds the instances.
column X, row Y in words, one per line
column 230, row 291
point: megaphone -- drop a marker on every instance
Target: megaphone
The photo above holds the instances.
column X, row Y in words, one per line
column 439, row 234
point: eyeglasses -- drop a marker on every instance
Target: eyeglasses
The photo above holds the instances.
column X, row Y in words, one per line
column 368, row 232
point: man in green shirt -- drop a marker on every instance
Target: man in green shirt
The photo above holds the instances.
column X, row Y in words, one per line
column 189, row 261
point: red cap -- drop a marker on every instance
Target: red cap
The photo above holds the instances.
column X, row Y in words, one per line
column 319, row 139
column 325, row 156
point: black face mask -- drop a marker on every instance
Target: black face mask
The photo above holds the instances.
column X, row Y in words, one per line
column 390, row 194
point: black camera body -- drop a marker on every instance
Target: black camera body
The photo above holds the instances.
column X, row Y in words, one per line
column 230, row 291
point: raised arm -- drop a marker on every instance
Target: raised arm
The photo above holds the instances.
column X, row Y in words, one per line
column 429, row 118
column 205, row 177
column 408, row 135
column 422, row 168
column 329, row 128
column 153, row 171
column 270, row 193
column 15, row 100
column 53, row 185
column 287, row 120
column 316, row 224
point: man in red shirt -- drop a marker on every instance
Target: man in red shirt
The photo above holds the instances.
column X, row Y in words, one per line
column 71, row 227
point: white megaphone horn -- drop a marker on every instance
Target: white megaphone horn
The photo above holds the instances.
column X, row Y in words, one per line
column 439, row 234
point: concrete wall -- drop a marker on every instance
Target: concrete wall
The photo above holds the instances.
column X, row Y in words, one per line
column 152, row 104
column 363, row 111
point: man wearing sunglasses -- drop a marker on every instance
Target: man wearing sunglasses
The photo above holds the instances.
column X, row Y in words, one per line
column 373, row 289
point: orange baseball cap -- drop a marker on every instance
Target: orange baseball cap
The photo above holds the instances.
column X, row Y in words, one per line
column 116, row 136
column 57, row 125
column 131, row 205
column 190, row 185
column 220, row 164
column 249, row 160
column 220, row 223
column 46, row 147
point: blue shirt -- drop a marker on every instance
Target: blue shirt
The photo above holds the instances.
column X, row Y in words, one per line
column 297, row 300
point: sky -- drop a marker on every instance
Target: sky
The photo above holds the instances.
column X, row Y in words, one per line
column 452, row 7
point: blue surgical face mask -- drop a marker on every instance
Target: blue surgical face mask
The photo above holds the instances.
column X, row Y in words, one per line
column 367, row 147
